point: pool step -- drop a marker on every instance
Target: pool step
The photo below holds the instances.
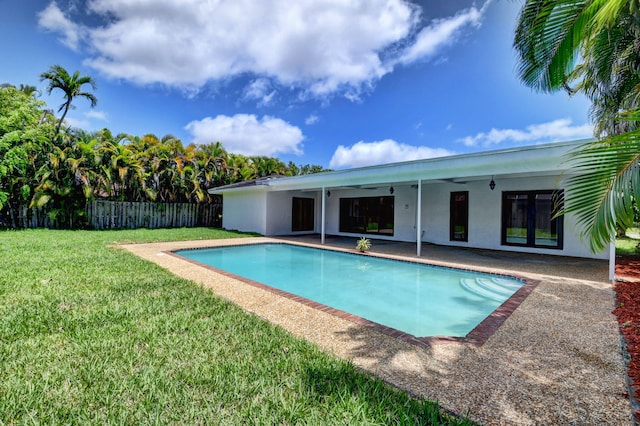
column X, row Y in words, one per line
column 498, row 289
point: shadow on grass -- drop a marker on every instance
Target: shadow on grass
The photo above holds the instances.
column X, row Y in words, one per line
column 402, row 365
column 346, row 385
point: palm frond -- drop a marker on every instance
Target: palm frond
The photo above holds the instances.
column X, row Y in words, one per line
column 548, row 40
column 607, row 178
column 608, row 12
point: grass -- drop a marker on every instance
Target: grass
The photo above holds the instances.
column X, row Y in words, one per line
column 628, row 245
column 92, row 334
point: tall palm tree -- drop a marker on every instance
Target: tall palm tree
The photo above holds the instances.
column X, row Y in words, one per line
column 591, row 47
column 71, row 85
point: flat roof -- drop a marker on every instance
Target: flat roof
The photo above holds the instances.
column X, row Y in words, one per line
column 531, row 160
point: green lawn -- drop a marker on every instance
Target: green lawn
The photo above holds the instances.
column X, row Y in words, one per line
column 628, row 245
column 93, row 334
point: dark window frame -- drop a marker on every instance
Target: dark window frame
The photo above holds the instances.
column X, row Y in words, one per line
column 364, row 215
column 532, row 218
column 459, row 216
column 302, row 214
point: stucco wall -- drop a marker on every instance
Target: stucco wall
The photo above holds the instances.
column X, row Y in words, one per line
column 485, row 210
column 404, row 210
column 245, row 211
column 279, row 210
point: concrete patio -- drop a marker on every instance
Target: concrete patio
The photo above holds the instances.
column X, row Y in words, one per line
column 479, row 259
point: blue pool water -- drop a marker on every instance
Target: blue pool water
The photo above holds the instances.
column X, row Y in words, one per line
column 417, row 299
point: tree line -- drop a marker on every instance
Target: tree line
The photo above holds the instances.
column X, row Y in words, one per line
column 45, row 164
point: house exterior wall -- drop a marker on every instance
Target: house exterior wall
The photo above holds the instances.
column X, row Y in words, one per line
column 404, row 210
column 269, row 213
column 245, row 211
column 279, row 211
column 485, row 216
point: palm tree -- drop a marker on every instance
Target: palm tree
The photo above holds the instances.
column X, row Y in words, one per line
column 29, row 90
column 64, row 186
column 267, row 166
column 591, row 47
column 71, row 85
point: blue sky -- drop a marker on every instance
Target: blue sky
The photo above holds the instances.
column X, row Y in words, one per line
column 339, row 83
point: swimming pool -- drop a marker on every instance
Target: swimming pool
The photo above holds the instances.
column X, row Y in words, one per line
column 417, row 299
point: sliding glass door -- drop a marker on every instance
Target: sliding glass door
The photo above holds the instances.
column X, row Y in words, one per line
column 528, row 219
column 367, row 215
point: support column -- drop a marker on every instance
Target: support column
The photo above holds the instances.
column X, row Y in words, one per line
column 612, row 260
column 324, row 209
column 612, row 248
column 419, row 219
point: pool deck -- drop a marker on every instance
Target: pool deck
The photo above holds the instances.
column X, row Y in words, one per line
column 555, row 360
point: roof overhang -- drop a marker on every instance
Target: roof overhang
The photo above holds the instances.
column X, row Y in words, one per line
column 536, row 160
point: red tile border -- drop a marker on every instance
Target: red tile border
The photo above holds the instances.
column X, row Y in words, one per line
column 476, row 337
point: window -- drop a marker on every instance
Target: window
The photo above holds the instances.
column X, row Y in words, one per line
column 459, row 216
column 527, row 219
column 302, row 214
column 367, row 215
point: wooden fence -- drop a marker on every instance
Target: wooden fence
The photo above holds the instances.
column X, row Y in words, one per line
column 26, row 217
column 103, row 214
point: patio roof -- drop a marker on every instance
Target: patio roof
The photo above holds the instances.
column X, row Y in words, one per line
column 534, row 160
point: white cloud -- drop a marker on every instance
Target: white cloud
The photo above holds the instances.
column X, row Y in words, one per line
column 552, row 131
column 246, row 134
column 320, row 48
column 76, row 123
column 261, row 90
column 52, row 19
column 86, row 122
column 312, row 119
column 96, row 115
column 381, row 152
column 441, row 32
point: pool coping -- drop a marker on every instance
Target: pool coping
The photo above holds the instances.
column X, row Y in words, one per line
column 476, row 337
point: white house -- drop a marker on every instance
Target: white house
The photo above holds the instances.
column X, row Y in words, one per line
column 500, row 200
